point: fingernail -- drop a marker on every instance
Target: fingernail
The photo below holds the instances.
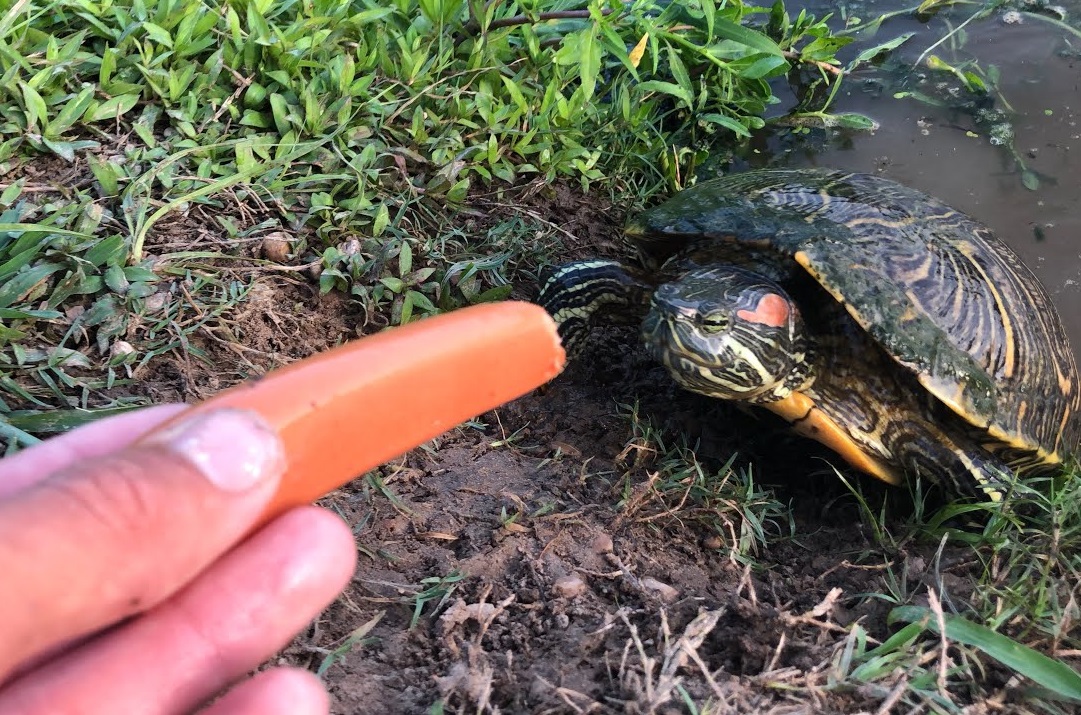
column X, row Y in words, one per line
column 234, row 449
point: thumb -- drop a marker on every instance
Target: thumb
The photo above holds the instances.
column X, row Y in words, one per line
column 116, row 535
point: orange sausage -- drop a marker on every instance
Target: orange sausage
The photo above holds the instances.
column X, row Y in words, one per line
column 345, row 411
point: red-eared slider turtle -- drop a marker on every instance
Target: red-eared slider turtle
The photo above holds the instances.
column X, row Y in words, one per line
column 872, row 317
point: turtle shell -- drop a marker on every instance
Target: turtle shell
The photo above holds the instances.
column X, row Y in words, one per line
column 938, row 291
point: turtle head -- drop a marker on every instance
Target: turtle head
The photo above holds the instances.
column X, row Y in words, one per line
column 727, row 332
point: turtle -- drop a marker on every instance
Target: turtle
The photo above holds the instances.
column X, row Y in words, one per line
column 872, row 317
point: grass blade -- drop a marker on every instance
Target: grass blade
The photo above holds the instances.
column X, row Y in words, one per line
column 1048, row 672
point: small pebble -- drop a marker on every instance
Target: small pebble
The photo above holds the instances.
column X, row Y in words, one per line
column 568, row 449
column 570, row 586
column 121, row 348
column 155, row 302
column 350, row 247
column 276, row 246
column 662, row 590
column 713, row 542
column 602, row 544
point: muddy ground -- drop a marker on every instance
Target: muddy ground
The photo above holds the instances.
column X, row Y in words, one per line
column 530, row 562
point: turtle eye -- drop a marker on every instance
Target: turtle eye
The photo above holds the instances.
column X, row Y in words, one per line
column 715, row 322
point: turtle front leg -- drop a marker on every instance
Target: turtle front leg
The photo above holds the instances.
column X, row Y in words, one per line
column 888, row 427
column 959, row 464
column 581, row 294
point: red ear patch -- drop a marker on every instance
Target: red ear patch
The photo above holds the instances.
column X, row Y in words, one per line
column 772, row 310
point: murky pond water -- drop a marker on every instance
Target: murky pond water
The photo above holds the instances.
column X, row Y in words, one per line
column 946, row 153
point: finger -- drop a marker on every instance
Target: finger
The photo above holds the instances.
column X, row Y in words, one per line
column 282, row 691
column 93, row 440
column 173, row 658
column 116, row 535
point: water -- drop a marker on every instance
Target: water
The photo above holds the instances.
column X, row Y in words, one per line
column 933, row 148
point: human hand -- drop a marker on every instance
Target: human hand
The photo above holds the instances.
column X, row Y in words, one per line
column 122, row 588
